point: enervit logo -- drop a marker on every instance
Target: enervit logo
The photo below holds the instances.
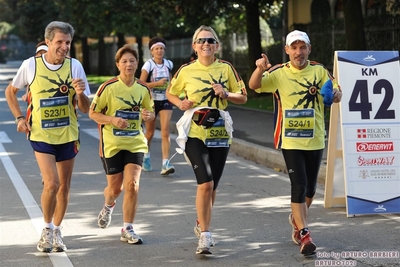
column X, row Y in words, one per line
column 374, row 133
column 374, row 146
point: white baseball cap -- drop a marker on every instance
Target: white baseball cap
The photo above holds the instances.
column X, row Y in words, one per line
column 297, row 36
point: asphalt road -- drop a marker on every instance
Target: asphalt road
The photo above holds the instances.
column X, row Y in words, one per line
column 249, row 218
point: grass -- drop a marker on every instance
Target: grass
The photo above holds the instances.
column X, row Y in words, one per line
column 254, row 100
column 97, row 79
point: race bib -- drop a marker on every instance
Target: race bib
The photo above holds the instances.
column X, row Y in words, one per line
column 299, row 123
column 133, row 128
column 159, row 91
column 217, row 136
column 54, row 112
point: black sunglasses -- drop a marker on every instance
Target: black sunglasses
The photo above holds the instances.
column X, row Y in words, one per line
column 208, row 40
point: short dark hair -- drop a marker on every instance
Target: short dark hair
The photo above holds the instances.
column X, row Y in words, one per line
column 128, row 48
column 157, row 39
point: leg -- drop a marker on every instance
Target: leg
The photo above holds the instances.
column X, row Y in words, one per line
column 64, row 169
column 48, row 169
column 165, row 118
column 150, row 128
column 131, row 185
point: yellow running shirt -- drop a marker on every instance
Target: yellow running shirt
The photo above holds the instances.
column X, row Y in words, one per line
column 195, row 81
column 299, row 110
column 51, row 105
column 115, row 98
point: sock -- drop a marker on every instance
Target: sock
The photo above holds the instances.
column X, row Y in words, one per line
column 205, row 233
column 164, row 161
column 56, row 227
column 49, row 225
column 111, row 207
column 303, row 231
column 147, row 155
column 127, row 224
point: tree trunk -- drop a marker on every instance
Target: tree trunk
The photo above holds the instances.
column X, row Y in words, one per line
column 85, row 55
column 102, row 68
column 253, row 32
column 121, row 40
column 354, row 24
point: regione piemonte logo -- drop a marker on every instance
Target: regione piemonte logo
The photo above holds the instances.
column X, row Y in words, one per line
column 374, row 146
column 374, row 133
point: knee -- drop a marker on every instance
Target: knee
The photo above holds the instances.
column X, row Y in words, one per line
column 206, row 188
column 51, row 187
column 132, row 187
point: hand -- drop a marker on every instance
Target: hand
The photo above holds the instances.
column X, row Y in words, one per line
column 263, row 62
column 79, row 85
column 185, row 104
column 337, row 96
column 147, row 115
column 162, row 81
column 119, row 122
column 23, row 126
column 218, row 90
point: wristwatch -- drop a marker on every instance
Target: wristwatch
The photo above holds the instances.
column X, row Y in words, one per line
column 19, row 118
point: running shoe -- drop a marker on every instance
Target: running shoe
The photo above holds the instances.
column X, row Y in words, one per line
column 197, row 232
column 204, row 244
column 128, row 235
column 45, row 243
column 58, row 243
column 104, row 218
column 307, row 246
column 147, row 165
column 295, row 231
column 167, row 168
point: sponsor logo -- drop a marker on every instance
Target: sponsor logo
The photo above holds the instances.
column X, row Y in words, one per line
column 374, row 146
column 379, row 161
column 380, row 208
column 374, row 133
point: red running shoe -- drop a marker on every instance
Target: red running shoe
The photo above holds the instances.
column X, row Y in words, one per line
column 295, row 231
column 307, row 246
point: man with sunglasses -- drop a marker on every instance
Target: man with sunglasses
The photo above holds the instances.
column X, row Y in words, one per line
column 298, row 87
column 208, row 83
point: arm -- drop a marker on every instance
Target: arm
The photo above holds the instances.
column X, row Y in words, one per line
column 83, row 101
column 12, row 101
column 236, row 98
column 262, row 65
column 143, row 77
column 183, row 105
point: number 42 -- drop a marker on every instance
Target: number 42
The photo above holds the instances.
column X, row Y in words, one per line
column 364, row 106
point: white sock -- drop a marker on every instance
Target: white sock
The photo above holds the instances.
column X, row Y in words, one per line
column 127, row 224
column 56, row 227
column 164, row 161
column 49, row 225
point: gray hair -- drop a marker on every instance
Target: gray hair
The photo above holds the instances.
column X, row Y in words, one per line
column 58, row 26
column 204, row 28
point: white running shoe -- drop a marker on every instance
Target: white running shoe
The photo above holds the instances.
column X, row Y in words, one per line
column 45, row 243
column 128, row 235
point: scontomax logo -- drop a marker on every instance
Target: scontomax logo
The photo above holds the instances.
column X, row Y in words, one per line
column 374, row 133
column 374, row 146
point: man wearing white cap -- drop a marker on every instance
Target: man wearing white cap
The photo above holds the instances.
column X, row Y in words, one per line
column 299, row 89
column 41, row 48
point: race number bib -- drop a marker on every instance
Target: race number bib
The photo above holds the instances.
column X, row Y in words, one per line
column 159, row 91
column 217, row 136
column 54, row 112
column 299, row 123
column 133, row 128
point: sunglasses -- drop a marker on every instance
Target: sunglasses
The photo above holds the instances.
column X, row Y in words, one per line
column 208, row 40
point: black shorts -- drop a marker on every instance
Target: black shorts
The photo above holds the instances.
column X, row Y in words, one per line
column 209, row 162
column 61, row 152
column 116, row 163
column 162, row 105
column 303, row 167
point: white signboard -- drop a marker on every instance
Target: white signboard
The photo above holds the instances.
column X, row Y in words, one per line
column 370, row 123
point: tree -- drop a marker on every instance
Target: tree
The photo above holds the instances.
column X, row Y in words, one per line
column 354, row 23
